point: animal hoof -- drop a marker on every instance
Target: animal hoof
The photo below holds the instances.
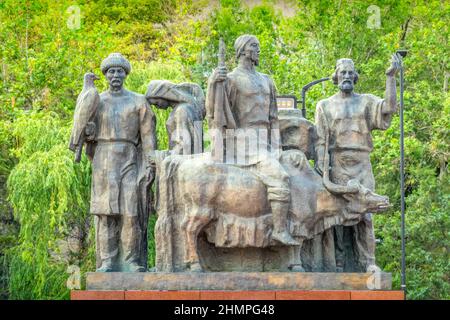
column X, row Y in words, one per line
column 196, row 267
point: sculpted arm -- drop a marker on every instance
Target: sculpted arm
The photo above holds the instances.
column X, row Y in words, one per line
column 219, row 75
column 209, row 102
column 147, row 121
column 390, row 97
column 380, row 111
column 321, row 131
column 274, row 126
column 273, row 109
column 181, row 138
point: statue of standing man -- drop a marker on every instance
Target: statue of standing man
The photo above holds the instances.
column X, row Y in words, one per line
column 124, row 135
column 344, row 122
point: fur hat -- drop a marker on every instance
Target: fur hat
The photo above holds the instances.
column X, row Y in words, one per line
column 115, row 60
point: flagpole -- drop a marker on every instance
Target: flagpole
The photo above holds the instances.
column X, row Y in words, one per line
column 402, row 53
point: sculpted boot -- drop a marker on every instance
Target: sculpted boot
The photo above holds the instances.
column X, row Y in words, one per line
column 106, row 266
column 279, row 216
column 134, row 267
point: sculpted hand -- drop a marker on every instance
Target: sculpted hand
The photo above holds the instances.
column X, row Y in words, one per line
column 89, row 131
column 295, row 159
column 219, row 74
column 396, row 63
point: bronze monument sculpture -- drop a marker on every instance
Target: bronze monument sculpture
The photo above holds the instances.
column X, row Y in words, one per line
column 218, row 214
column 344, row 122
column 124, row 134
column 253, row 202
column 251, row 98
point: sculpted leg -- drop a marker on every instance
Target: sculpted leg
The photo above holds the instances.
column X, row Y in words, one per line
column 192, row 225
column 364, row 232
column 365, row 243
column 130, row 241
column 296, row 262
column 328, row 250
column 276, row 179
column 280, row 232
column 340, row 250
column 107, row 233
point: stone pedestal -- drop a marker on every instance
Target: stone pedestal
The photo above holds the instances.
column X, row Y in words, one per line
column 241, row 281
column 237, row 286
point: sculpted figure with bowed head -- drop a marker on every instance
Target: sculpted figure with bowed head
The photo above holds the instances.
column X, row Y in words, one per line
column 184, row 125
column 124, row 136
column 250, row 105
column 344, row 124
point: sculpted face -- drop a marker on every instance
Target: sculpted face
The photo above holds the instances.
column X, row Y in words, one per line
column 116, row 77
column 346, row 77
column 252, row 50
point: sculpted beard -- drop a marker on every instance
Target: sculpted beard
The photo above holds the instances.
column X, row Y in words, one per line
column 116, row 82
column 346, row 85
column 255, row 58
column 253, row 55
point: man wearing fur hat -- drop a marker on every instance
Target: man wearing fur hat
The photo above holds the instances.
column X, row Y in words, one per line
column 251, row 102
column 344, row 123
column 124, row 135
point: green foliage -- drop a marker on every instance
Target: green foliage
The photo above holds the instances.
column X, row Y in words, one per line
column 48, row 193
column 42, row 62
column 6, row 144
column 8, row 239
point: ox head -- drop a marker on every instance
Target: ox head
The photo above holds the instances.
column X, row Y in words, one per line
column 359, row 199
column 364, row 200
